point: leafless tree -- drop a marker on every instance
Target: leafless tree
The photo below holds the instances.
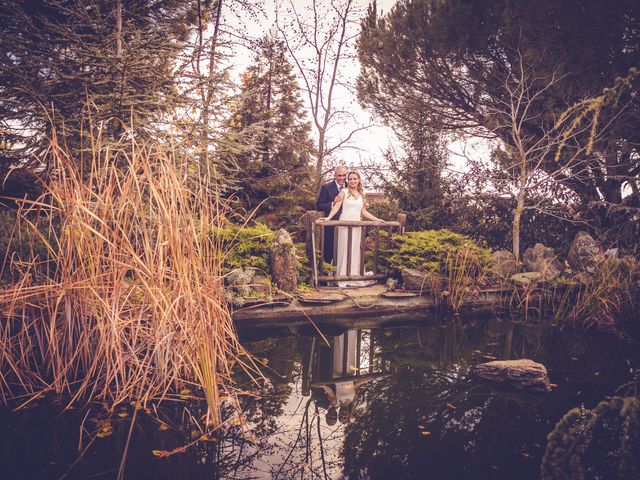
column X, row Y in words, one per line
column 527, row 150
column 320, row 39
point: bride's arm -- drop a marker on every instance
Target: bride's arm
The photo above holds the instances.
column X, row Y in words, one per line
column 369, row 216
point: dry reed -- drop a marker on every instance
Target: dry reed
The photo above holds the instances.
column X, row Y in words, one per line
column 129, row 306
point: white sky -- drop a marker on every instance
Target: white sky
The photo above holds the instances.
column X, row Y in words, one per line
column 366, row 146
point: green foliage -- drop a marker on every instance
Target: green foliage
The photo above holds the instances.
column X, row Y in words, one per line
column 248, row 248
column 599, row 443
column 385, row 209
column 455, row 62
column 56, row 54
column 274, row 173
column 429, row 250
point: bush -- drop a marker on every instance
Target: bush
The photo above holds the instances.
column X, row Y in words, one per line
column 429, row 250
column 248, row 247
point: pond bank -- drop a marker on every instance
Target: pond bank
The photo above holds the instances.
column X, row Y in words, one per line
column 351, row 306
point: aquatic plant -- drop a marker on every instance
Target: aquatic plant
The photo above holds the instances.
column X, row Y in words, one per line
column 599, row 443
column 129, row 305
column 465, row 272
column 602, row 299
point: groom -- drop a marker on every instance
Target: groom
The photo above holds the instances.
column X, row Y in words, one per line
column 324, row 203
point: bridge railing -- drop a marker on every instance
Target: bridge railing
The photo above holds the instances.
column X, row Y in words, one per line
column 318, row 231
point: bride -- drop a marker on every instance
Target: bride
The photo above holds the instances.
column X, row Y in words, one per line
column 352, row 201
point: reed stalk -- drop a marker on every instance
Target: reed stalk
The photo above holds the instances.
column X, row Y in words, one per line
column 129, row 305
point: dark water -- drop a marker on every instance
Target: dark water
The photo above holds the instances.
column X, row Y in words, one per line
column 416, row 411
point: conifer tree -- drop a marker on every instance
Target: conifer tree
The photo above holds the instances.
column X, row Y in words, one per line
column 57, row 55
column 274, row 171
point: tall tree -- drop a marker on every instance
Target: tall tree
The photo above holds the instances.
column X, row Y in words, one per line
column 320, row 39
column 452, row 59
column 270, row 117
column 58, row 54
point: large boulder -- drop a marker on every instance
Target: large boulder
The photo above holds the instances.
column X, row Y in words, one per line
column 284, row 262
column 503, row 264
column 523, row 374
column 584, row 253
column 413, row 279
column 542, row 259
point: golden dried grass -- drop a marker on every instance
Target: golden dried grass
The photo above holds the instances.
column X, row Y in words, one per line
column 129, row 305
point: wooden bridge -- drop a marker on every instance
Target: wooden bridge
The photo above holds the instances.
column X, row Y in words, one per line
column 369, row 240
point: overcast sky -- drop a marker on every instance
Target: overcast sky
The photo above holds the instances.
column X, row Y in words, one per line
column 367, row 145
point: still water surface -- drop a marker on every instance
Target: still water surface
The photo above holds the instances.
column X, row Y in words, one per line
column 407, row 407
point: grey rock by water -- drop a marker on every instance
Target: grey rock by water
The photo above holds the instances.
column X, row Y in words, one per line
column 284, row 262
column 523, row 374
column 542, row 259
column 584, row 253
column 503, row 263
column 413, row 279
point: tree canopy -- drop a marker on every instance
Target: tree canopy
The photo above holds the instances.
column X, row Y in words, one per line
column 457, row 62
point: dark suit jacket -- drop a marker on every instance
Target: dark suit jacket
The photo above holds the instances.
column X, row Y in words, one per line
column 327, row 194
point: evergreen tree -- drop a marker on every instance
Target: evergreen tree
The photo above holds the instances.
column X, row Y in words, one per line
column 460, row 62
column 58, row 54
column 274, row 171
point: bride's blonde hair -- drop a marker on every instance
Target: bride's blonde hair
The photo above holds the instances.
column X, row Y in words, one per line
column 360, row 186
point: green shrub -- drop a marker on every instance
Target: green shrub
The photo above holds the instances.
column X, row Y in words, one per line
column 248, row 247
column 429, row 250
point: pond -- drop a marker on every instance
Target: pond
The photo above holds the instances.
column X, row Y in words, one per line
column 413, row 410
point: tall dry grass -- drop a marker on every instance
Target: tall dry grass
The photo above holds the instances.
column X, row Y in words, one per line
column 129, row 305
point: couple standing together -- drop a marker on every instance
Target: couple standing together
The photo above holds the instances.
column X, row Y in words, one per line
column 344, row 197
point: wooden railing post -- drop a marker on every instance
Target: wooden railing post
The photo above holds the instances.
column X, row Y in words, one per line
column 311, row 217
column 402, row 220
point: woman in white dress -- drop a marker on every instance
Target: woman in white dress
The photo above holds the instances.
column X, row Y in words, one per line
column 352, row 201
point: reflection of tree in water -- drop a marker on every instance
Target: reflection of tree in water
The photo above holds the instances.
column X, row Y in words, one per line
column 429, row 411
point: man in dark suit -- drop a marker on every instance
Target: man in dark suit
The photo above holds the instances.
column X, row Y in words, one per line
column 324, row 203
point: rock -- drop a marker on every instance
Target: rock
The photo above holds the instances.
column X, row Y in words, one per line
column 503, row 264
column 261, row 284
column 523, row 374
column 584, row 253
column 426, row 282
column 526, row 278
column 391, row 284
column 542, row 259
column 283, row 262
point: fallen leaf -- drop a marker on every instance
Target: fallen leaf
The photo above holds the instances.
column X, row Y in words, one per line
column 451, row 406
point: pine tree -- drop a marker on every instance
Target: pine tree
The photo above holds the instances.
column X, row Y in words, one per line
column 273, row 172
column 57, row 55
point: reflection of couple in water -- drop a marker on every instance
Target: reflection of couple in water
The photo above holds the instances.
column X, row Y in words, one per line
column 338, row 377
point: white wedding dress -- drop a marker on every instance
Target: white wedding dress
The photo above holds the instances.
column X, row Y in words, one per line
column 351, row 210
